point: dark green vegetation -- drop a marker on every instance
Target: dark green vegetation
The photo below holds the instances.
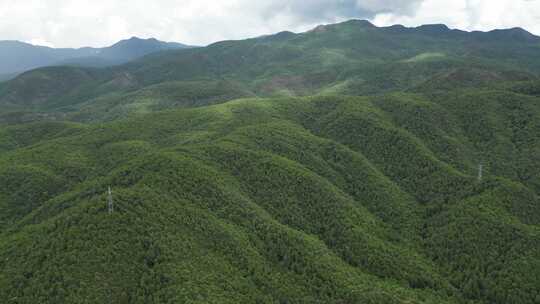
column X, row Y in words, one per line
column 335, row 166
column 18, row 57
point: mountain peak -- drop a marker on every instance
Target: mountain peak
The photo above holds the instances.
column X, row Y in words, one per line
column 516, row 33
column 433, row 28
column 358, row 22
column 281, row 36
column 135, row 39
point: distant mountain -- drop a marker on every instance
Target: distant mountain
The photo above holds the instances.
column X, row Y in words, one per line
column 18, row 57
column 351, row 58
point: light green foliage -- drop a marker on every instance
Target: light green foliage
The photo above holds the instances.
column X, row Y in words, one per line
column 426, row 56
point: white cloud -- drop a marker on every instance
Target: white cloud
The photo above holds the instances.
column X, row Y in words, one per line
column 73, row 23
column 40, row 42
column 472, row 14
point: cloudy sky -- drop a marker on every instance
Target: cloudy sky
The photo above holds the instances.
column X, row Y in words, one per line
column 75, row 23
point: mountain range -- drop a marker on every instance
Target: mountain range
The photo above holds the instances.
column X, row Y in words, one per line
column 18, row 57
column 347, row 164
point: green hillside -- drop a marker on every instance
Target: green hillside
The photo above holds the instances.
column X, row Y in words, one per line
column 351, row 58
column 323, row 167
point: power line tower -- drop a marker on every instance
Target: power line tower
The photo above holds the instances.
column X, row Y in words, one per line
column 110, row 202
column 480, row 172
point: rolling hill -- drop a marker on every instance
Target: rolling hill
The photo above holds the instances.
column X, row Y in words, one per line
column 340, row 165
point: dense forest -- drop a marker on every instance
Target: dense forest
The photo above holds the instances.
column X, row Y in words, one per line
column 347, row 164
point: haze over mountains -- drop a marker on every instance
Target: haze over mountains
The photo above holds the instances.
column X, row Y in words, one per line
column 339, row 165
column 18, row 57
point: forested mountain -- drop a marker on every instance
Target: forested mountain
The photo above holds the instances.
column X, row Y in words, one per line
column 347, row 164
column 18, row 57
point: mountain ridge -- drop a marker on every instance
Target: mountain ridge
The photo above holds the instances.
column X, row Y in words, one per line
column 356, row 60
column 20, row 56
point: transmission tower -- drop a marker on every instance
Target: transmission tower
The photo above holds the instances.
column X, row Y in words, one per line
column 480, row 172
column 110, row 202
